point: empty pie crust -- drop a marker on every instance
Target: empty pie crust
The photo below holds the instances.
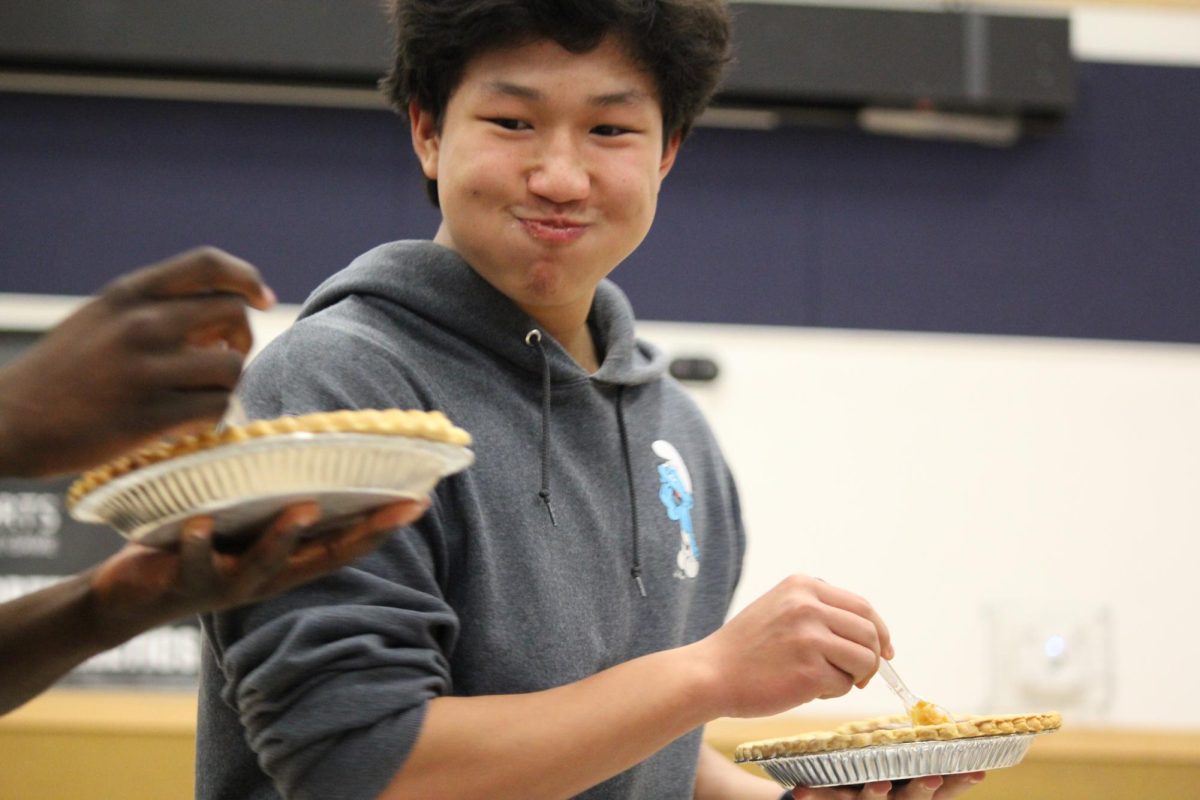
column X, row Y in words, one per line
column 430, row 425
column 896, row 729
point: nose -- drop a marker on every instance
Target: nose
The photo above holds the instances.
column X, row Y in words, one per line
column 560, row 173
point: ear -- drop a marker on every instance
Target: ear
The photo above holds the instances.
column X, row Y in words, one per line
column 668, row 156
column 426, row 139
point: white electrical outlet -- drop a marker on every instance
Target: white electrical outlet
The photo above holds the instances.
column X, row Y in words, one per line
column 1050, row 658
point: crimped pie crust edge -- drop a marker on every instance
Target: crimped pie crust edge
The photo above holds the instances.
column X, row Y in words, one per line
column 896, row 729
column 431, row 425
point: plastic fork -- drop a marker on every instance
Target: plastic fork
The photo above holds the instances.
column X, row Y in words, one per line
column 910, row 700
column 235, row 414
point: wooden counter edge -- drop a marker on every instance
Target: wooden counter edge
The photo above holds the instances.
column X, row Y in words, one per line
column 104, row 711
column 174, row 713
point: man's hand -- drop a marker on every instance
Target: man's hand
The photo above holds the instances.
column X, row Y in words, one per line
column 933, row 787
column 140, row 587
column 157, row 351
column 806, row 640
column 801, row 641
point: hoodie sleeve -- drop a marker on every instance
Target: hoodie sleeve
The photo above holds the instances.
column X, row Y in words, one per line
column 331, row 681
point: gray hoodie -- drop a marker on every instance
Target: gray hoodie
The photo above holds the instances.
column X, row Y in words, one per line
column 528, row 571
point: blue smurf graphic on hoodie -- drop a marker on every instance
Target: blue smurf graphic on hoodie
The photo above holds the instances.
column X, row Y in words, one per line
column 675, row 492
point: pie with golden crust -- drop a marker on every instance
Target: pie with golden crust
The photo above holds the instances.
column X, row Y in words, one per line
column 430, row 425
column 896, row 729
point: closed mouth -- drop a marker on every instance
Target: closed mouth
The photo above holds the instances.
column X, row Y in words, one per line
column 553, row 228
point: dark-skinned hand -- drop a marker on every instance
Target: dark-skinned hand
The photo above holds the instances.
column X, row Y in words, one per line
column 156, row 352
column 139, row 587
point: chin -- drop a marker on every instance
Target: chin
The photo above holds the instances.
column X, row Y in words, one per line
column 542, row 289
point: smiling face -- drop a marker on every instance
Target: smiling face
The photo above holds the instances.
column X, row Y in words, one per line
column 548, row 165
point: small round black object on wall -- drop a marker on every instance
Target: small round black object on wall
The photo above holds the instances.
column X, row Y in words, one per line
column 695, row 370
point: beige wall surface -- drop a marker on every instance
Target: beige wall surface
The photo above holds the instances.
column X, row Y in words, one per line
column 986, row 494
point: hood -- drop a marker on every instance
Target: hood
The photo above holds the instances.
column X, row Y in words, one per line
column 435, row 283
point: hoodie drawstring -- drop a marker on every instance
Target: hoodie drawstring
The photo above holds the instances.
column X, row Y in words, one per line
column 534, row 339
column 636, row 569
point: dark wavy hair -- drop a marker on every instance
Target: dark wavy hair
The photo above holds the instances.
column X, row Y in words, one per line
column 684, row 45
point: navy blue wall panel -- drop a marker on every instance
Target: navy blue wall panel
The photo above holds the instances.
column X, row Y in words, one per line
column 1092, row 232
column 94, row 186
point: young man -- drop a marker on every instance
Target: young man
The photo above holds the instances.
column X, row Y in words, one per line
column 158, row 351
column 553, row 627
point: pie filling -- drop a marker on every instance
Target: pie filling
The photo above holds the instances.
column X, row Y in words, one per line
column 926, row 713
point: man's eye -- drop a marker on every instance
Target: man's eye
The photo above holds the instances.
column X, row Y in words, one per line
column 509, row 124
column 609, row 130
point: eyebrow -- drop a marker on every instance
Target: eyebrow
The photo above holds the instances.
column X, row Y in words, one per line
column 627, row 97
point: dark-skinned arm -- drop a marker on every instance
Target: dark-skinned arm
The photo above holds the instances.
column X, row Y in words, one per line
column 47, row 633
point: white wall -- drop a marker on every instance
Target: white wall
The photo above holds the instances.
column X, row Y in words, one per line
column 940, row 474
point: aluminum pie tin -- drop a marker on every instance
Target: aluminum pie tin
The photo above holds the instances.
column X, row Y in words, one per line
column 891, row 762
column 245, row 484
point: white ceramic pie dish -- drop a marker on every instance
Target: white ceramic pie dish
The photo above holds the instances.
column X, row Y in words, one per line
column 243, row 485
